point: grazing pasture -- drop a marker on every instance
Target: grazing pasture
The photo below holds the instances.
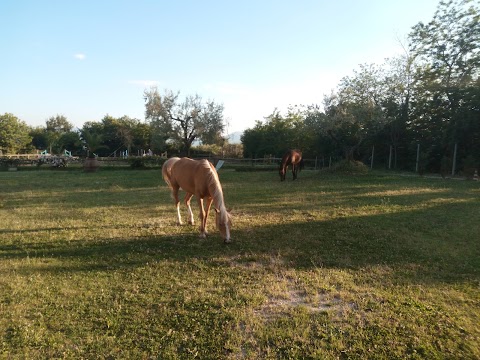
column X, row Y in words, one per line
column 93, row 266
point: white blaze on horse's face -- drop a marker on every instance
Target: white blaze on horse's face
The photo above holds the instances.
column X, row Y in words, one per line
column 224, row 224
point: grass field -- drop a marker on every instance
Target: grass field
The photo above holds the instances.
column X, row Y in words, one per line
column 93, row 266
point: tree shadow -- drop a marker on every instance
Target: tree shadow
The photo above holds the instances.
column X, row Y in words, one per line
column 432, row 251
column 428, row 254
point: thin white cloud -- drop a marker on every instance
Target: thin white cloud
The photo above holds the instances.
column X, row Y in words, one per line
column 144, row 83
column 80, row 56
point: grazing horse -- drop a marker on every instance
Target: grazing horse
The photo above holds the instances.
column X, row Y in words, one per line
column 199, row 178
column 293, row 158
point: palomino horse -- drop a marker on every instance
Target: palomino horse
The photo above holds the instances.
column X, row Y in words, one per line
column 199, row 178
column 293, row 158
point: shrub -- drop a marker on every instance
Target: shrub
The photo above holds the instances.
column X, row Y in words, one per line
column 348, row 167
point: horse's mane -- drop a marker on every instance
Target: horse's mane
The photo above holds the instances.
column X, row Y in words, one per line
column 214, row 186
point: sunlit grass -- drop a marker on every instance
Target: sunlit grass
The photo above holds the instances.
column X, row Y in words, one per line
column 375, row 266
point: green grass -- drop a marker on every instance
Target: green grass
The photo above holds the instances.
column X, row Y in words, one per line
column 93, row 266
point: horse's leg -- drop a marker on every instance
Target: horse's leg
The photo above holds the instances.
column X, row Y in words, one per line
column 207, row 211
column 188, row 197
column 177, row 204
column 203, row 234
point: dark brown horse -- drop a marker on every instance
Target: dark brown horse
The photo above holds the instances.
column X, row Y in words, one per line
column 293, row 158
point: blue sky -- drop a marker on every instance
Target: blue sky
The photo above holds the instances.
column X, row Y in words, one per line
column 85, row 59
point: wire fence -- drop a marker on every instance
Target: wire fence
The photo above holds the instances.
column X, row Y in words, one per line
column 423, row 160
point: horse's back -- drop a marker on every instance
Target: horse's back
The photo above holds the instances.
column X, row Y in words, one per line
column 192, row 175
column 296, row 156
column 292, row 157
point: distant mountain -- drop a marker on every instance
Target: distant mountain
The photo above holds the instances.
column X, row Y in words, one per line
column 234, row 138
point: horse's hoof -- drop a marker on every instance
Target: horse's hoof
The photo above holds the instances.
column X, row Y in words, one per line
column 227, row 241
column 203, row 236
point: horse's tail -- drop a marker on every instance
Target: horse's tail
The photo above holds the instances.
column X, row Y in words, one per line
column 301, row 164
column 166, row 176
column 167, row 170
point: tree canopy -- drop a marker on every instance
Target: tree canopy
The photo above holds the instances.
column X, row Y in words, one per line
column 14, row 134
column 184, row 121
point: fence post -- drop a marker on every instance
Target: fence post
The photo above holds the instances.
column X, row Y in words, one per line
column 373, row 153
column 454, row 159
column 390, row 158
column 418, row 157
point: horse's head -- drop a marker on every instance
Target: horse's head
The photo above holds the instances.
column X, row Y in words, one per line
column 223, row 220
column 282, row 172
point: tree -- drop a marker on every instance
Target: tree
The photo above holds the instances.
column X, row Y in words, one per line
column 253, row 140
column 183, row 122
column 70, row 141
column 349, row 124
column 39, row 137
column 449, row 45
column 56, row 126
column 448, row 52
column 14, row 134
column 355, row 113
column 399, row 81
column 211, row 125
column 93, row 141
column 157, row 116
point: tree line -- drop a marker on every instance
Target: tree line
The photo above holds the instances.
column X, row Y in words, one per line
column 170, row 125
column 428, row 96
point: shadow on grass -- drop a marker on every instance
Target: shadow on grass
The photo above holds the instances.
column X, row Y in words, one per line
column 434, row 242
column 438, row 253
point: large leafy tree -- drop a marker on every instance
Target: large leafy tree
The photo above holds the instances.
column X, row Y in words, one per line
column 118, row 133
column 92, row 138
column 276, row 134
column 14, row 134
column 449, row 46
column 399, row 81
column 70, row 141
column 183, row 121
column 39, row 137
column 355, row 112
column 448, row 53
column 211, row 124
column 56, row 127
column 349, row 124
column 111, row 135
